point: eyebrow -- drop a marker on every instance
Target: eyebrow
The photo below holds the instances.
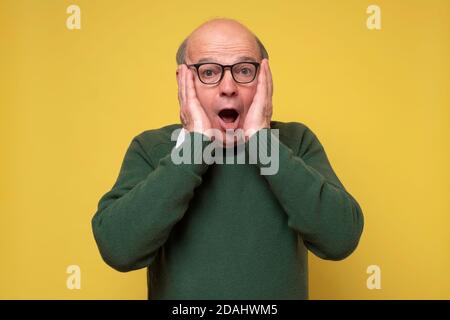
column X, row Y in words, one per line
column 240, row 59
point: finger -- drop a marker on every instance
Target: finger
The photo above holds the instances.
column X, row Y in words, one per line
column 261, row 89
column 191, row 95
column 269, row 79
column 266, row 92
column 182, row 86
column 179, row 85
column 269, row 107
column 185, row 80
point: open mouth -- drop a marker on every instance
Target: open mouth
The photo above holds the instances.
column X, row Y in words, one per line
column 228, row 115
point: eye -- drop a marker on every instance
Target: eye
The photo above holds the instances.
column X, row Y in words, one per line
column 245, row 71
column 208, row 73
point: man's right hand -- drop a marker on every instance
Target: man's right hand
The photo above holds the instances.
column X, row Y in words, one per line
column 192, row 114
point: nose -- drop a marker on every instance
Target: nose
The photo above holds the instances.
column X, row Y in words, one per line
column 227, row 86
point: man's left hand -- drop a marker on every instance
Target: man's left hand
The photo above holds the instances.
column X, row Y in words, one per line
column 260, row 112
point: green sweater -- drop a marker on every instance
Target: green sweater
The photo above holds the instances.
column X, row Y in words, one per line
column 224, row 231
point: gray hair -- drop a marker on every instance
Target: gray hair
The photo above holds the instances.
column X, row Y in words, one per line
column 181, row 52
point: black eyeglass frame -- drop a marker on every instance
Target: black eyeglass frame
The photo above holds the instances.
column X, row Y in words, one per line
column 224, row 67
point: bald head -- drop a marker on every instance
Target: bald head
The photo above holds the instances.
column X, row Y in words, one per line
column 219, row 35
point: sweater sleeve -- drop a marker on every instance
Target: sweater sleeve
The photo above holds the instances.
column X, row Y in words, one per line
column 327, row 217
column 135, row 218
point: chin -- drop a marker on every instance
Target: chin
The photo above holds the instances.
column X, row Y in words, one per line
column 233, row 138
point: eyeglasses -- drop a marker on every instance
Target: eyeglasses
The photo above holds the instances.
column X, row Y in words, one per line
column 212, row 73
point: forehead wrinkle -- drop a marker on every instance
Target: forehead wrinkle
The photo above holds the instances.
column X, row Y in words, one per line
column 222, row 43
column 228, row 53
column 238, row 59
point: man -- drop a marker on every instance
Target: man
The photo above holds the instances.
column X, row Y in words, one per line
column 225, row 231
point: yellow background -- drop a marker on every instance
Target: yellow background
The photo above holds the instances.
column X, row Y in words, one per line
column 72, row 100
